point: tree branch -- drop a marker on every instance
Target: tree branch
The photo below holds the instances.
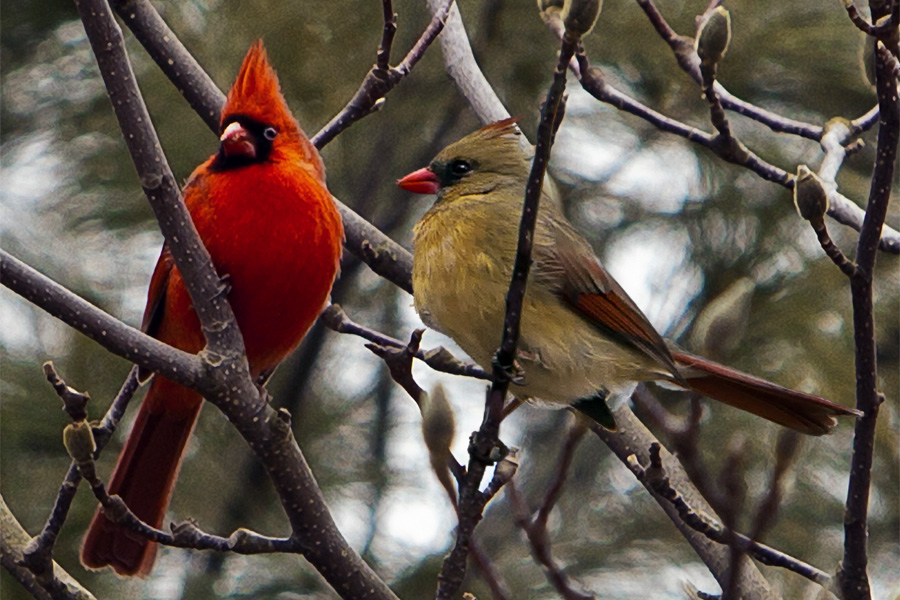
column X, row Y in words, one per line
column 484, row 442
column 536, row 528
column 216, row 319
column 631, row 443
column 52, row 585
column 841, row 208
column 109, row 332
column 657, row 478
column 852, row 576
column 381, row 79
column 439, row 359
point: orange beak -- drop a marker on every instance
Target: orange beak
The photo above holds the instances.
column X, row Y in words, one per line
column 237, row 141
column 423, row 181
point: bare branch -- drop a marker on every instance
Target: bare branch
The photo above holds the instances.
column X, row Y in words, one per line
column 842, row 210
column 539, row 542
column 51, row 585
column 216, row 319
column 852, row 576
column 188, row 535
column 439, row 359
column 658, row 478
column 381, row 79
column 460, row 64
column 877, row 31
column 628, row 444
column 832, row 251
column 485, row 440
column 536, row 528
column 683, row 49
column 173, row 58
column 109, row 332
column 383, row 58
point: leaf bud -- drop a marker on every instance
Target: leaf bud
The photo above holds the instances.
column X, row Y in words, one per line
column 438, row 422
column 579, row 16
column 713, row 36
column 79, row 441
column 810, row 196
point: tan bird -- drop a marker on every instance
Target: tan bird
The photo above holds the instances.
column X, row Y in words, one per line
column 583, row 340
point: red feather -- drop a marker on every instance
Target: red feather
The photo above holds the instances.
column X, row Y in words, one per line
column 273, row 229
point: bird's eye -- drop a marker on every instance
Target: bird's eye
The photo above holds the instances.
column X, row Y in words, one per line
column 460, row 167
column 270, row 133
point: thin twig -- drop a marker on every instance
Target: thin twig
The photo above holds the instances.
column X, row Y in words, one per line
column 383, row 57
column 439, row 359
column 831, row 250
column 876, row 31
column 683, row 49
column 187, row 534
column 381, row 80
column 656, row 477
column 593, row 82
column 841, row 209
column 485, row 440
column 539, row 543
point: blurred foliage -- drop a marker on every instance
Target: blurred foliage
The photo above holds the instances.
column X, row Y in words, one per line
column 652, row 204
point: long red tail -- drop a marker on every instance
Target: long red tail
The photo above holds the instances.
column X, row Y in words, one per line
column 803, row 412
column 143, row 477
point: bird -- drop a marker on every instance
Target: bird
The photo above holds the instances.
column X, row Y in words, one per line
column 273, row 232
column 583, row 341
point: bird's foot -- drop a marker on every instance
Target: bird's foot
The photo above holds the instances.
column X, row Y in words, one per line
column 514, row 372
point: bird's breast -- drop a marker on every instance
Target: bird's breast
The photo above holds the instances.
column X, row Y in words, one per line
column 275, row 233
column 461, row 274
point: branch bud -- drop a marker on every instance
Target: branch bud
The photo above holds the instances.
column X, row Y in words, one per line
column 810, row 196
column 79, row 441
column 438, row 429
column 713, row 36
column 438, row 422
column 579, row 16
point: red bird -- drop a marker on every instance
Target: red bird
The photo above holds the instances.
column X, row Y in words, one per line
column 262, row 209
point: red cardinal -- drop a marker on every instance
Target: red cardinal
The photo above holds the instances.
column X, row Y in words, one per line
column 262, row 209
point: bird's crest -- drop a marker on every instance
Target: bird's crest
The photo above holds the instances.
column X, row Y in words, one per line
column 502, row 128
column 257, row 94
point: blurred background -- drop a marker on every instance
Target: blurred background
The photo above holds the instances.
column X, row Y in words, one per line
column 687, row 235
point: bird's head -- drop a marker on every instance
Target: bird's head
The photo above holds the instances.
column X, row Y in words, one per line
column 257, row 125
column 483, row 161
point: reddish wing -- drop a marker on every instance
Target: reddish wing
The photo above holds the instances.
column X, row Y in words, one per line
column 156, row 299
column 589, row 289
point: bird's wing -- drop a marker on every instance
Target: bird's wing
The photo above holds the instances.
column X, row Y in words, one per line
column 567, row 263
column 156, row 299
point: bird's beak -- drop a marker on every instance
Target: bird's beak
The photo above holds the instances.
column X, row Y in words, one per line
column 237, row 141
column 423, row 181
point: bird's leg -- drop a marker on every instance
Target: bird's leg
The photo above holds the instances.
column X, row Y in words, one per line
column 514, row 403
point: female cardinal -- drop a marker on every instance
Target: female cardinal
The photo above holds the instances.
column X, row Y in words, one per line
column 262, row 209
column 582, row 338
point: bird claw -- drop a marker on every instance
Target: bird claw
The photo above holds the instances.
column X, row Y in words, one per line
column 224, row 286
column 514, row 372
